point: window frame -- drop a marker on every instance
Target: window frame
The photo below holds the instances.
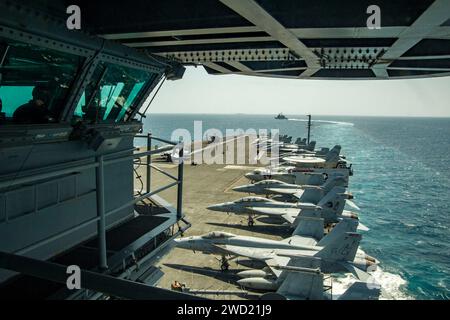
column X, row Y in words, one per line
column 94, row 51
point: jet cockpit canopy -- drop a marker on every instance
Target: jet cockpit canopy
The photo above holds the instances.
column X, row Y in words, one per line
column 218, row 235
column 253, row 199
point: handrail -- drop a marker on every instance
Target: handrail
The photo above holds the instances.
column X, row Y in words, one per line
column 27, row 176
column 163, row 172
column 157, row 139
column 47, row 175
column 98, row 163
column 52, row 174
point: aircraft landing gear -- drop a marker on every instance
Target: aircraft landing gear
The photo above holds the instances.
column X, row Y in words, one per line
column 224, row 264
column 251, row 221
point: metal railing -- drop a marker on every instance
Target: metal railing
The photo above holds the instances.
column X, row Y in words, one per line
column 28, row 176
column 149, row 166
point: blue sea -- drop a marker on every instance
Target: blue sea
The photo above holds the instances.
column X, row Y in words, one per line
column 401, row 184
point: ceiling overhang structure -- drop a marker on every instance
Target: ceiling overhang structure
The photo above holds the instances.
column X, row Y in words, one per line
column 301, row 39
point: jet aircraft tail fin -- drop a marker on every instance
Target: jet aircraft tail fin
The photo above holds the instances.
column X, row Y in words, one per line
column 343, row 249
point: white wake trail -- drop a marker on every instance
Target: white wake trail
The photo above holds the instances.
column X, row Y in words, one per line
column 326, row 121
column 391, row 284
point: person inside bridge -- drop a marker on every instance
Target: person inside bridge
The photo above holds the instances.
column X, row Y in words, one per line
column 36, row 111
column 2, row 114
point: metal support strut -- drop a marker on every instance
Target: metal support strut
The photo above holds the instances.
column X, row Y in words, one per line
column 149, row 163
column 101, row 229
column 89, row 280
column 180, row 183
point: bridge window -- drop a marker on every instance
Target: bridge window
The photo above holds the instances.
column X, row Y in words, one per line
column 34, row 82
column 112, row 93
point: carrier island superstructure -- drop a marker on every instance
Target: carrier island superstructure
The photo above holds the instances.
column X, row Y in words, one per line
column 67, row 192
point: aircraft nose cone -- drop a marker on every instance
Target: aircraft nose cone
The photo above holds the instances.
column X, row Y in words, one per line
column 178, row 241
column 182, row 243
column 217, row 207
column 241, row 188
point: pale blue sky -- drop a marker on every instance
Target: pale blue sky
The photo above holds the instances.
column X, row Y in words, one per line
column 199, row 92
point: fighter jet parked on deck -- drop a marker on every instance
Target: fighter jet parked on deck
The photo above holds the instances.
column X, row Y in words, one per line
column 302, row 279
column 331, row 207
column 333, row 159
column 306, row 193
column 338, row 250
column 299, row 176
column 306, row 233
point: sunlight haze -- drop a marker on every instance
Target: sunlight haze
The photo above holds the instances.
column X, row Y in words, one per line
column 199, row 92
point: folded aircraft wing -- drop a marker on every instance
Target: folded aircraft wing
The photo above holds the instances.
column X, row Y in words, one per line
column 362, row 291
column 358, row 273
column 303, row 281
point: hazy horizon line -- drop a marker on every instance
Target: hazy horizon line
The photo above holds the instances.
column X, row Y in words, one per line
column 300, row 115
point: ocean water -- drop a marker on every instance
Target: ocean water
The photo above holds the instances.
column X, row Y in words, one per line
column 401, row 184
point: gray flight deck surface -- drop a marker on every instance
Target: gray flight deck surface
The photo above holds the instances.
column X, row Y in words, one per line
column 205, row 185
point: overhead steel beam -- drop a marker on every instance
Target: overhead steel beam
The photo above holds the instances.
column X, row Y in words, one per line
column 280, row 69
column 148, row 44
column 438, row 32
column 419, row 68
column 309, row 72
column 261, row 74
column 264, row 72
column 216, row 67
column 380, row 71
column 266, row 54
column 89, row 280
column 444, row 56
column 255, row 14
column 184, row 32
column 349, row 32
column 238, row 65
column 441, row 32
column 436, row 14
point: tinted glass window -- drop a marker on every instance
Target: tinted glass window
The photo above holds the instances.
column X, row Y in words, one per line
column 34, row 82
column 114, row 90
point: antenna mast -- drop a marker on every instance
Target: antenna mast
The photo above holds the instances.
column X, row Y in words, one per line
column 309, row 129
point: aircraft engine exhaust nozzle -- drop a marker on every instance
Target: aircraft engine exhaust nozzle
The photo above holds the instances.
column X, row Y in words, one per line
column 350, row 214
column 372, row 259
column 371, row 265
column 365, row 265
